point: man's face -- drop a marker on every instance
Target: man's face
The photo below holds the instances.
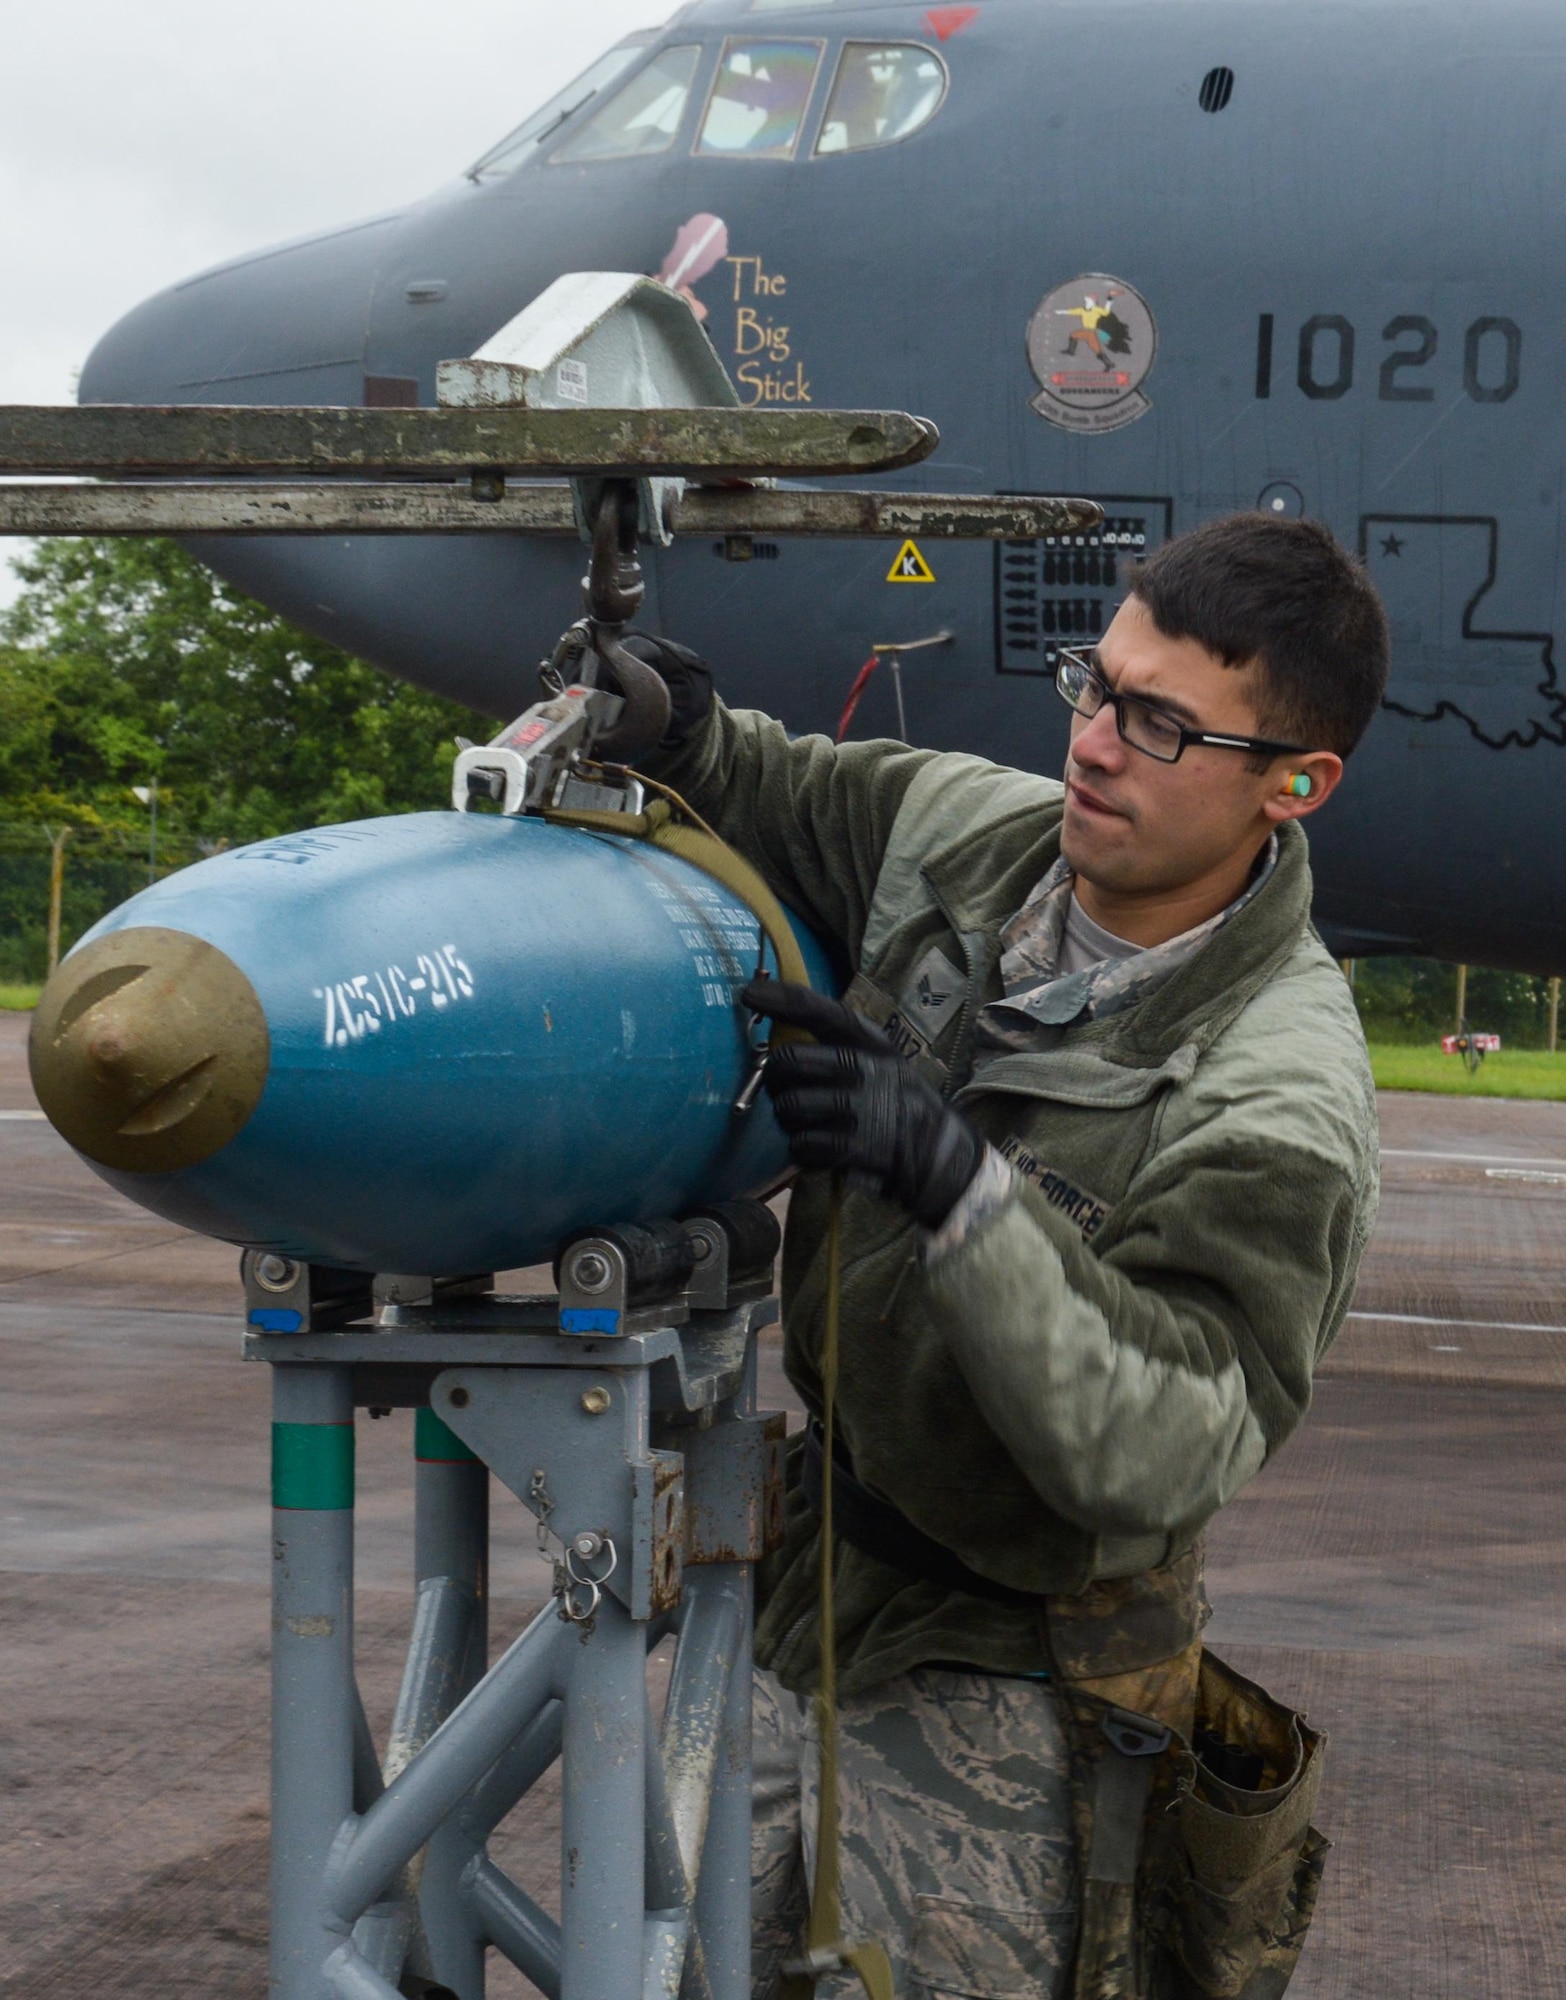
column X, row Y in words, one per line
column 1134, row 827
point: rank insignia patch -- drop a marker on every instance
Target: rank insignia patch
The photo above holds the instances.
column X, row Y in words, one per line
column 933, row 994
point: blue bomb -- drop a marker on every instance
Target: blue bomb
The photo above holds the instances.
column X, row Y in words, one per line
column 434, row 1043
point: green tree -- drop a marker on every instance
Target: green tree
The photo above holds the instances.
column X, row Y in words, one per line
column 24, row 726
column 1413, row 1000
column 125, row 660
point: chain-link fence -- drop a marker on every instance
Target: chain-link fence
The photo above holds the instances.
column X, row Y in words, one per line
column 78, row 874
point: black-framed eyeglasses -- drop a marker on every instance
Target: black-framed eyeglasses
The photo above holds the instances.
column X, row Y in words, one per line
column 1080, row 683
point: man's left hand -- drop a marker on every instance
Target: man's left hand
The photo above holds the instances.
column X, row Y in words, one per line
column 848, row 1101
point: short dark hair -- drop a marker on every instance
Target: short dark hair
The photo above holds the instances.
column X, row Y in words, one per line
column 1284, row 595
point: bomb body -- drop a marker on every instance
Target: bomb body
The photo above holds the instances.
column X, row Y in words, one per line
column 432, row 1043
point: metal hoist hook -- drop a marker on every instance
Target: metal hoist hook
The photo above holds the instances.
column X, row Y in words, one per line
column 613, row 587
column 612, row 590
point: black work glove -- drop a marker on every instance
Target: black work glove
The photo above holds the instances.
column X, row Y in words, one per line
column 848, row 1100
column 684, row 673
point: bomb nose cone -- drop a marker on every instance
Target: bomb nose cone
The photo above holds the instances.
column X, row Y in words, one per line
column 149, row 1050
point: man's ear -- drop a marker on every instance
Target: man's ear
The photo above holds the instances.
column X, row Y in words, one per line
column 1304, row 784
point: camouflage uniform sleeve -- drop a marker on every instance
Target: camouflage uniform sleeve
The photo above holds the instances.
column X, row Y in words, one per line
column 1140, row 1383
column 990, row 1189
column 815, row 817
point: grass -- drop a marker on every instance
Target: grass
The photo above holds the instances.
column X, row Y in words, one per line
column 1509, row 1073
column 18, row 999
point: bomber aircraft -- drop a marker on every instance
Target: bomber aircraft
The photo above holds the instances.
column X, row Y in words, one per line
column 1181, row 258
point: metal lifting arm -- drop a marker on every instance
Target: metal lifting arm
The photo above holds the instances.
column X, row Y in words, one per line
column 125, row 439
column 490, row 504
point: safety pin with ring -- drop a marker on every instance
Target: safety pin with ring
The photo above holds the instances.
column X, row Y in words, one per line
column 580, row 1590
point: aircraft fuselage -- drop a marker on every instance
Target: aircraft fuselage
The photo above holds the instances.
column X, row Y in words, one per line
column 1338, row 292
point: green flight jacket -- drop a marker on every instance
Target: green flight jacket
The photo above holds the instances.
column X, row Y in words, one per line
column 1072, row 1391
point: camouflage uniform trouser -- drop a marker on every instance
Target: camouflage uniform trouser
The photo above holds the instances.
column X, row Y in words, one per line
column 956, row 1834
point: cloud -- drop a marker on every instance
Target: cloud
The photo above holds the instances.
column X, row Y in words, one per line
column 141, row 143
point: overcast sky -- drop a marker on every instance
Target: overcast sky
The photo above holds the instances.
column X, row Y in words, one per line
column 141, row 140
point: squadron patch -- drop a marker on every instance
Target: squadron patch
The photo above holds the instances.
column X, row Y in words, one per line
column 1091, row 345
column 1086, row 1210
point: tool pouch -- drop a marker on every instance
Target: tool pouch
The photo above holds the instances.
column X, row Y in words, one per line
column 1192, row 1792
column 1233, row 1866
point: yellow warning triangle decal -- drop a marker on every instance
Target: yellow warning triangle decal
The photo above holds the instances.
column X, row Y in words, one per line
column 910, row 567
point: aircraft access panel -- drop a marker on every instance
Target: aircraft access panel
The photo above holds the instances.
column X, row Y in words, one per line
column 1064, row 589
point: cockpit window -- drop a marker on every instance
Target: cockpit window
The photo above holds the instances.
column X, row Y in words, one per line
column 881, row 93
column 758, row 99
column 520, row 145
column 642, row 117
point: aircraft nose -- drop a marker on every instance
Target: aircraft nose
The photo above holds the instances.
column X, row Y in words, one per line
column 286, row 325
column 149, row 1050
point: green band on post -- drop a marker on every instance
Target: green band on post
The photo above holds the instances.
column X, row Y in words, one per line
column 312, row 1466
column 435, row 1440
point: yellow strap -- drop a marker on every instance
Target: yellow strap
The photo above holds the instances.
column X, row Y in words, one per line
column 719, row 860
column 824, row 1939
column 714, row 857
column 824, row 1935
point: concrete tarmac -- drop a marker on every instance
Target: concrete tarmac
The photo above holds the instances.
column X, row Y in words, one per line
column 1398, row 1571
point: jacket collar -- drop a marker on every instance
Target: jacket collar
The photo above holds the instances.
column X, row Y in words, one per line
column 1199, row 1000
column 1025, row 843
column 1203, row 997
